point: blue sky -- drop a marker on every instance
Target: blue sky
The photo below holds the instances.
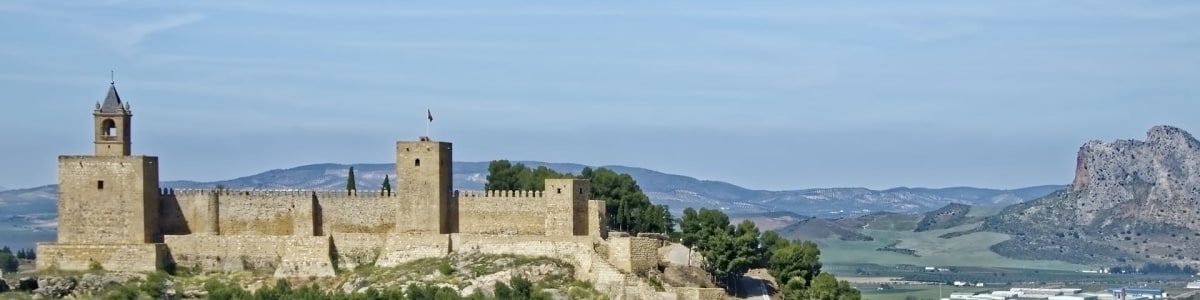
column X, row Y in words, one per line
column 770, row 95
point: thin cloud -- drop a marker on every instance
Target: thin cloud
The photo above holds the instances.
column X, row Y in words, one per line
column 129, row 39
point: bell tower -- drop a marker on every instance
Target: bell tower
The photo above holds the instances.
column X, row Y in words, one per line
column 112, row 125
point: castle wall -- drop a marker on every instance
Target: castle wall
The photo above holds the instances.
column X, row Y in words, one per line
column 364, row 212
column 258, row 212
column 124, row 258
column 107, row 199
column 596, row 223
column 402, row 248
column 501, row 212
column 306, row 257
column 634, row 254
column 354, row 249
column 227, row 253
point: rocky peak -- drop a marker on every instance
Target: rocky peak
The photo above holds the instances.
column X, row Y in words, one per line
column 1162, row 171
column 1130, row 201
column 1170, row 136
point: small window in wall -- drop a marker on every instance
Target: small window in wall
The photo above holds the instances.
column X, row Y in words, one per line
column 581, row 191
column 559, row 190
column 100, row 184
column 417, row 162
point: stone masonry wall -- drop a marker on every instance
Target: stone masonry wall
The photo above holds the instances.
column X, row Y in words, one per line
column 105, row 200
column 258, row 212
column 402, row 248
column 501, row 212
column 306, row 257
column 634, row 254
column 227, row 253
column 595, row 219
column 354, row 249
column 124, row 258
column 363, row 212
column 692, row 293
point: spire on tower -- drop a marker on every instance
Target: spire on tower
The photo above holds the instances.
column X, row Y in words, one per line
column 112, row 103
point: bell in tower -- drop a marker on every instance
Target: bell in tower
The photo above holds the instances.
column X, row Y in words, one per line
column 112, row 125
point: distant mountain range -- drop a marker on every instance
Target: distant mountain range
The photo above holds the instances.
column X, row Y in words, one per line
column 677, row 191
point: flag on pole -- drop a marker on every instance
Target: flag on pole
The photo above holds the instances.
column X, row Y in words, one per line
column 430, row 114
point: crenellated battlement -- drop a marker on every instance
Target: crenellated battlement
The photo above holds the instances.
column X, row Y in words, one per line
column 322, row 194
column 499, row 194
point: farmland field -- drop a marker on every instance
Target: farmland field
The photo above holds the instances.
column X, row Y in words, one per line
column 930, row 250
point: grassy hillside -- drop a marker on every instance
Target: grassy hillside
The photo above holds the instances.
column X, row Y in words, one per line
column 930, row 250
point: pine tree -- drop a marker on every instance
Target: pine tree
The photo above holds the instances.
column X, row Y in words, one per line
column 387, row 186
column 350, row 182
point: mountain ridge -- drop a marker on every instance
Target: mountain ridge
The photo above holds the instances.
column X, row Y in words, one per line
column 677, row 191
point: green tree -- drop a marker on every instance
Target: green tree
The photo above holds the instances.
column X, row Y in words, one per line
column 503, row 176
column 350, row 185
column 732, row 251
column 794, row 261
column 8, row 262
column 824, row 287
column 627, row 207
column 386, row 187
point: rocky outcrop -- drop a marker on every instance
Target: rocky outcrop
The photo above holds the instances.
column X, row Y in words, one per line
column 1131, row 201
column 55, row 287
column 949, row 216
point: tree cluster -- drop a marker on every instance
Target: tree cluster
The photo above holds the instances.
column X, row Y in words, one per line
column 730, row 251
column 9, row 261
column 626, row 207
column 796, row 266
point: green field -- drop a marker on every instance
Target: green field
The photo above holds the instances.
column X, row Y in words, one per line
column 967, row 250
column 899, row 292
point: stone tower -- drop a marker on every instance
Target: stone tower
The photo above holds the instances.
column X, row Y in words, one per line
column 107, row 202
column 566, row 206
column 112, row 125
column 423, row 179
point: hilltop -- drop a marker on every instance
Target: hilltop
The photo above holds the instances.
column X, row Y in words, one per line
column 1131, row 202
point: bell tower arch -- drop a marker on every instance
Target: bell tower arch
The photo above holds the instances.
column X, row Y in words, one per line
column 112, row 134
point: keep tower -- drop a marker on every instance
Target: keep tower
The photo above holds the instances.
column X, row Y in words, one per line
column 107, row 202
column 423, row 179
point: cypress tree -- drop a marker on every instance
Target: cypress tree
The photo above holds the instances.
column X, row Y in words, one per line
column 350, row 182
column 387, row 185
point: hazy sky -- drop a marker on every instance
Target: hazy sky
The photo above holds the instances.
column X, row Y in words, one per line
column 768, row 95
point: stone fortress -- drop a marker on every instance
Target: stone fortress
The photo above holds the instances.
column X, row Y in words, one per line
column 113, row 215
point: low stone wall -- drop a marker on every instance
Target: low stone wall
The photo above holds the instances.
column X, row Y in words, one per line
column 354, row 249
column 692, row 293
column 125, row 258
column 634, row 254
column 306, row 256
column 400, row 248
column 227, row 253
